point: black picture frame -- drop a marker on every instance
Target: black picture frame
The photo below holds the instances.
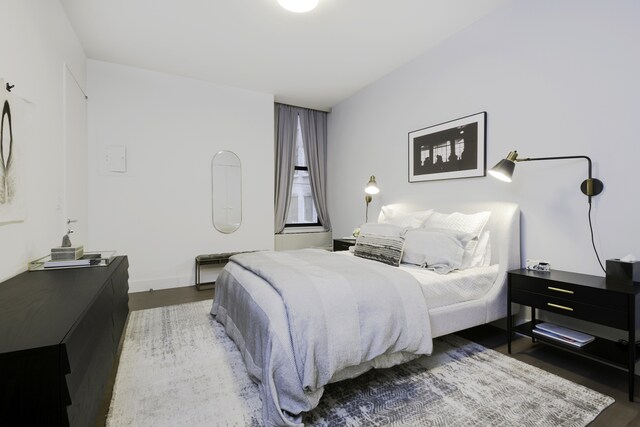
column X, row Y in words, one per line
column 449, row 150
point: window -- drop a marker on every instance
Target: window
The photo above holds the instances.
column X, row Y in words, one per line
column 302, row 209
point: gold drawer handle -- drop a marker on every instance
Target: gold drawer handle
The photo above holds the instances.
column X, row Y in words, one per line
column 559, row 306
column 566, row 291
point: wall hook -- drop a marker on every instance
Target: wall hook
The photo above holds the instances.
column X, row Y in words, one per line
column 9, row 87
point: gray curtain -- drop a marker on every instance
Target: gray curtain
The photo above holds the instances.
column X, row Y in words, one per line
column 314, row 137
column 286, row 125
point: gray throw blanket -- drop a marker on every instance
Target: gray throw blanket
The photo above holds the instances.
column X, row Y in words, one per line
column 341, row 312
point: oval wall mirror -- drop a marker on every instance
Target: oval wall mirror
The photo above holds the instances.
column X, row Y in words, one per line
column 226, row 191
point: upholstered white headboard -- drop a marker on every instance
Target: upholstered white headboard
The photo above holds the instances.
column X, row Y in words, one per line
column 504, row 225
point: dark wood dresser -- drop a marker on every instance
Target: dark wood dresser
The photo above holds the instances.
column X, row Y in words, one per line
column 59, row 335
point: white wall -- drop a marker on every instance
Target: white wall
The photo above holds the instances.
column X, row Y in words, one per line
column 556, row 78
column 36, row 40
column 159, row 211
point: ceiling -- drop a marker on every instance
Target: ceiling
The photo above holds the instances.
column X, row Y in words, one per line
column 313, row 60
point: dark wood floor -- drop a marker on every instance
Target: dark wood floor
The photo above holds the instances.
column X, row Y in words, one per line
column 599, row 377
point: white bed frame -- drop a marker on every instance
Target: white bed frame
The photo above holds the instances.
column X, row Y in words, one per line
column 504, row 227
column 262, row 313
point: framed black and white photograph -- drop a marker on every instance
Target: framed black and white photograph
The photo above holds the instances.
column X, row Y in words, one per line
column 454, row 149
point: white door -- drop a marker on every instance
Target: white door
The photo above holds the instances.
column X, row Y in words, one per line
column 76, row 192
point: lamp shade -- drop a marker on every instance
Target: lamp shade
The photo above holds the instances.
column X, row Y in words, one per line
column 299, row 6
column 503, row 170
column 372, row 186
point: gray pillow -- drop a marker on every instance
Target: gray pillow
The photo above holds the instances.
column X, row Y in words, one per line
column 381, row 248
column 435, row 249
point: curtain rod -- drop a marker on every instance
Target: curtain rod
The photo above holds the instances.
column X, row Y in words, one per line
column 299, row 106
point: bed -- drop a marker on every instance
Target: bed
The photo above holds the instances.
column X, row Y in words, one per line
column 304, row 319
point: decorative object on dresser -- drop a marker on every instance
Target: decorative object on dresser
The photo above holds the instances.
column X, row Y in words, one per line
column 454, row 149
column 88, row 259
column 67, row 253
column 343, row 244
column 370, row 190
column 66, row 240
column 503, row 171
column 59, row 335
column 584, row 297
column 199, row 379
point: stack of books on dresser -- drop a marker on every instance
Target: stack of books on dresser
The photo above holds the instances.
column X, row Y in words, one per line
column 562, row 334
column 86, row 259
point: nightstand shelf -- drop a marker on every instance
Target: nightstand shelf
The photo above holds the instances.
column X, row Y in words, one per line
column 584, row 297
column 600, row 349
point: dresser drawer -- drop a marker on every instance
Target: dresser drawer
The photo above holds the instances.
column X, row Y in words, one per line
column 598, row 314
column 81, row 344
column 568, row 291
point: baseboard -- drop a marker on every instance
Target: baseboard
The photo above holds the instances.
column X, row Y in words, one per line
column 160, row 283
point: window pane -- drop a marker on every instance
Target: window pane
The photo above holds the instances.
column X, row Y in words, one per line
column 300, row 159
column 301, row 207
column 293, row 208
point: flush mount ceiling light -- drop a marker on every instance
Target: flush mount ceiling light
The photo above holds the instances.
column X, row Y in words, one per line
column 299, row 6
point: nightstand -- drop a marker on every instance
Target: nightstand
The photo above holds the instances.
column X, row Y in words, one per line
column 343, row 244
column 584, row 297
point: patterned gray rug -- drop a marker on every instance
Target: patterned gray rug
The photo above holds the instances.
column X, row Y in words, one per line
column 178, row 368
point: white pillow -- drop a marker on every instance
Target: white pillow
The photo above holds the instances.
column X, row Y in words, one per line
column 486, row 259
column 471, row 224
column 438, row 250
column 389, row 215
column 475, row 252
column 381, row 229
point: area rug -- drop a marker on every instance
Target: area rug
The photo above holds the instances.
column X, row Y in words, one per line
column 179, row 368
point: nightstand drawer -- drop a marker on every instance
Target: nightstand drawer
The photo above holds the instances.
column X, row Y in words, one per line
column 569, row 291
column 604, row 316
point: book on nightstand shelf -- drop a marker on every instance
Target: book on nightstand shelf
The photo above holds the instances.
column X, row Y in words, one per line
column 562, row 334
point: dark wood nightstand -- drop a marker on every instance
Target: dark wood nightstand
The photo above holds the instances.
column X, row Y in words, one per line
column 343, row 244
column 584, row 297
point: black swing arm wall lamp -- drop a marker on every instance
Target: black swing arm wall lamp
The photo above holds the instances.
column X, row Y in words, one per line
column 503, row 171
column 591, row 186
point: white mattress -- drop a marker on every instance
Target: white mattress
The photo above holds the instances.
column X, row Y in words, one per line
column 458, row 286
